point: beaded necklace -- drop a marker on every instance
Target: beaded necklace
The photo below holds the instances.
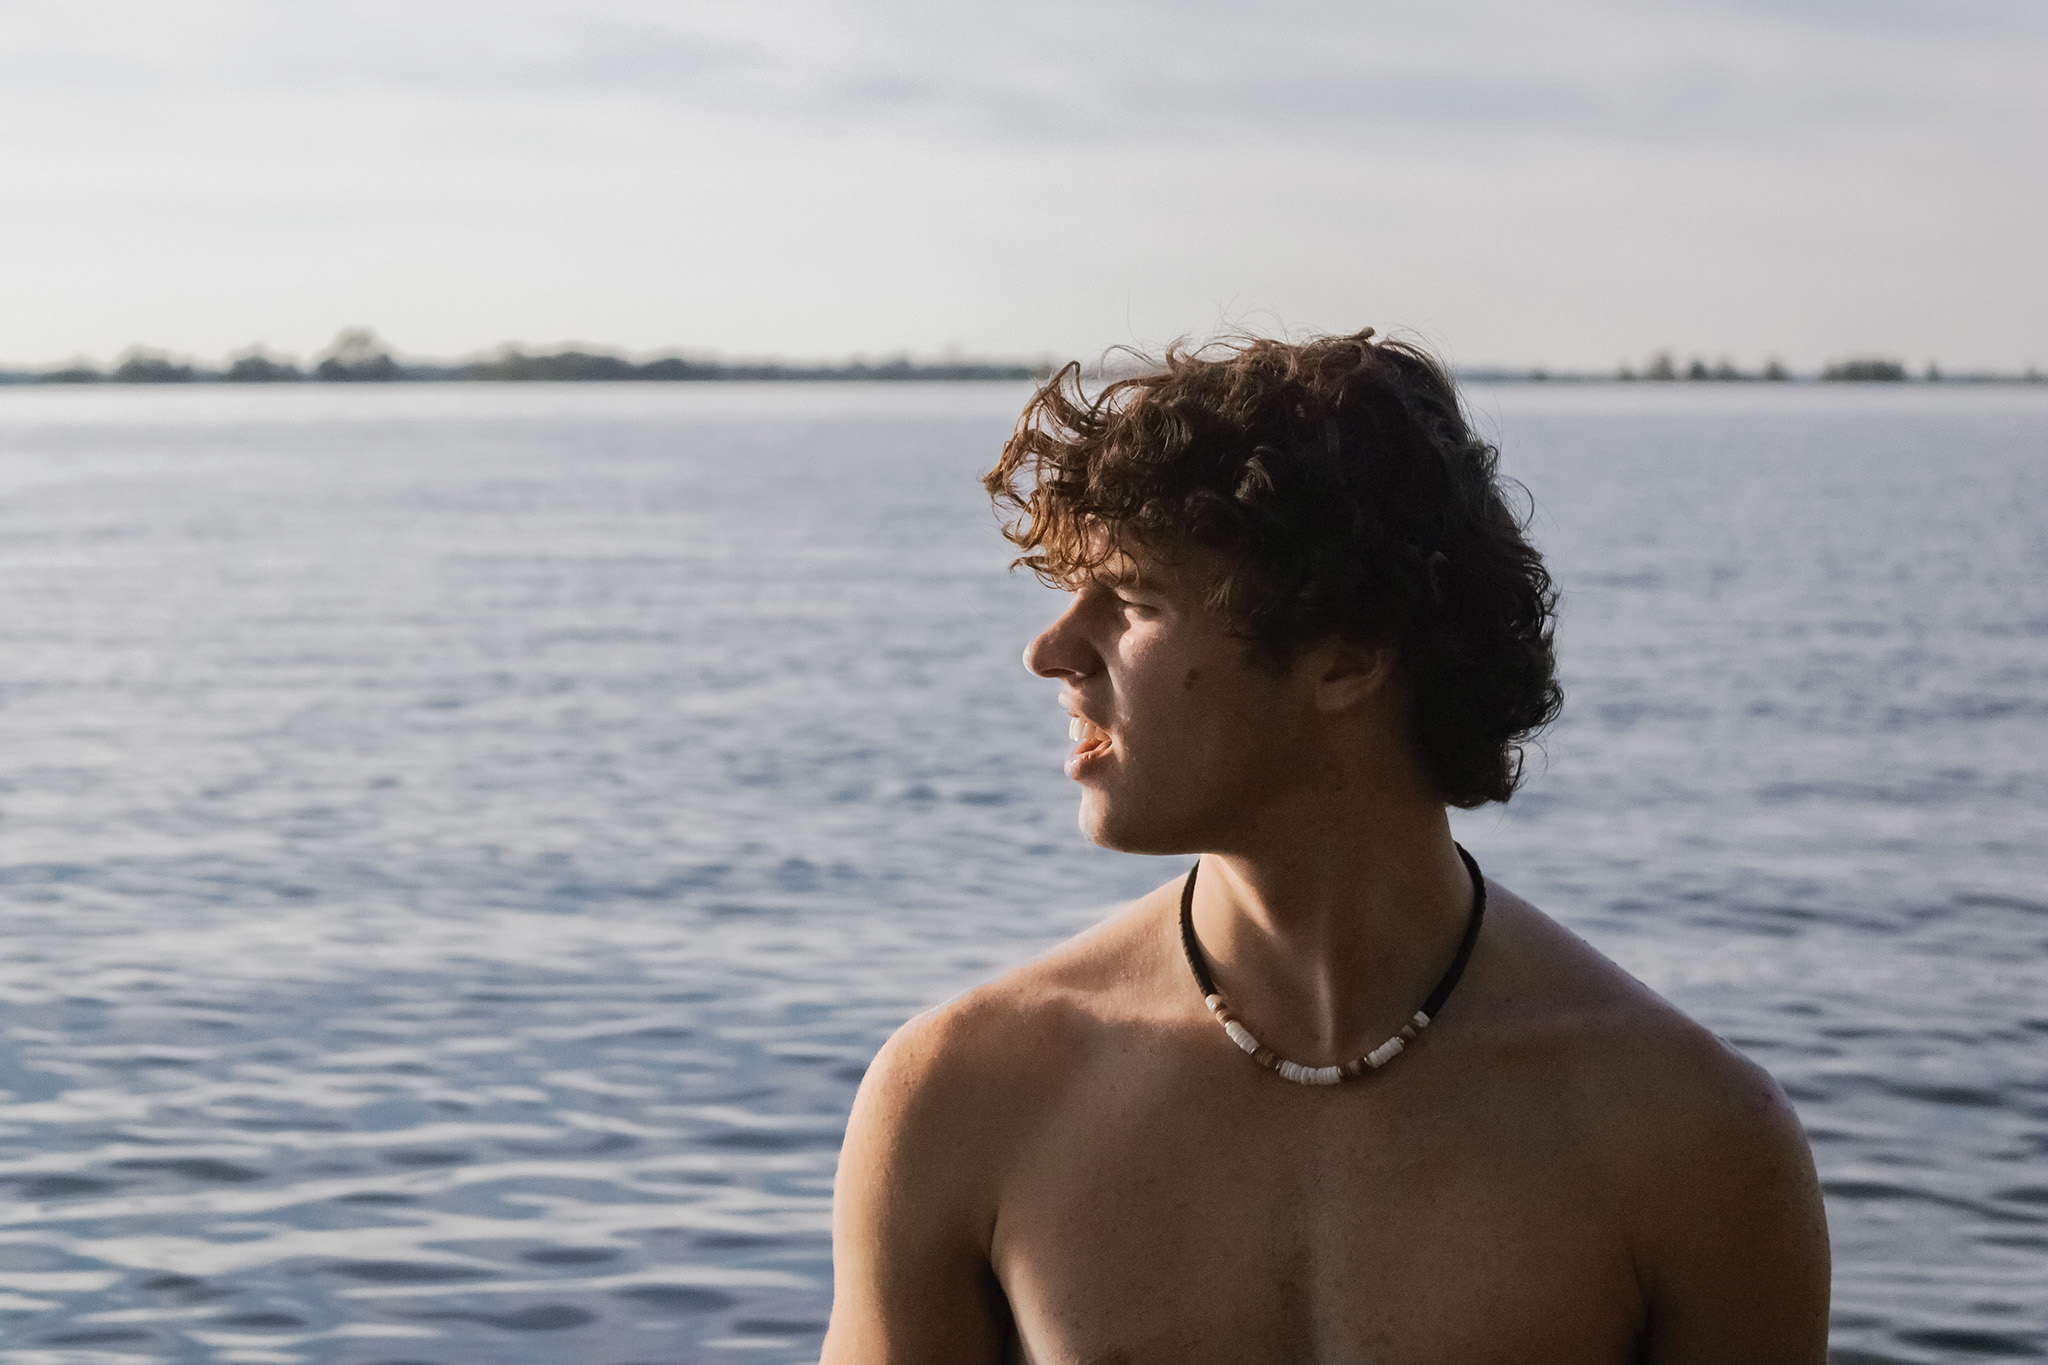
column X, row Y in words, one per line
column 1346, row 1071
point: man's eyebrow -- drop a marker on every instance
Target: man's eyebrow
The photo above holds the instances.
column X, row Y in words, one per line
column 1119, row 570
column 1128, row 576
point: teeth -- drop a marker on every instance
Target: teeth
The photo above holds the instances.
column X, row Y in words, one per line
column 1076, row 728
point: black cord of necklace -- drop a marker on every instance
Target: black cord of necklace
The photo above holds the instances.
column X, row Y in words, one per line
column 1200, row 962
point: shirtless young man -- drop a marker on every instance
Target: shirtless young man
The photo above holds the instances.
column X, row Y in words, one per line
column 1303, row 622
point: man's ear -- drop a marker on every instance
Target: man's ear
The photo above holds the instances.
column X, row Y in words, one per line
column 1344, row 674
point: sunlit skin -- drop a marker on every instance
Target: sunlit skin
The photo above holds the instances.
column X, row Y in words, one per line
column 1073, row 1164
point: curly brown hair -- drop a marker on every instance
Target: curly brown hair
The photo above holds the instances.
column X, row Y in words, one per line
column 1349, row 499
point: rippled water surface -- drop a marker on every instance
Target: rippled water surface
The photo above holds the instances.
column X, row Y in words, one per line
column 461, row 845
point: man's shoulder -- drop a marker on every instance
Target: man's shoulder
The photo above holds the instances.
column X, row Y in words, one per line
column 1565, row 1013
column 1646, row 1091
column 944, row 1113
column 1598, row 1028
column 1008, row 1046
column 1692, row 1148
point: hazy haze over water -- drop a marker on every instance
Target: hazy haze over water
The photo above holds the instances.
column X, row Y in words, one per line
column 460, row 845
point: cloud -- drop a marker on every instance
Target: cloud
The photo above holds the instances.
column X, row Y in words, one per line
column 1943, row 20
column 1581, row 67
column 1059, row 70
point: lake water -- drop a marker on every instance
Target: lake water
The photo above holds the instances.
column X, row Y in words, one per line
column 460, row 845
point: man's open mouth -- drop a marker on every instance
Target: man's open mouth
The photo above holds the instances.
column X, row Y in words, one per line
column 1088, row 738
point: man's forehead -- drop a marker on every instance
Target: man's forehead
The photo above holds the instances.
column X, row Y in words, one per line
column 1138, row 567
column 1124, row 570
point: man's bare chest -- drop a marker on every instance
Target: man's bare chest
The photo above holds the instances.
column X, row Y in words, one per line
column 1183, row 1226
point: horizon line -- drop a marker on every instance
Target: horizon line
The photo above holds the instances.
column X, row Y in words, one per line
column 358, row 354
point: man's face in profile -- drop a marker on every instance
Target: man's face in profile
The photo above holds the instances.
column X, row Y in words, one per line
column 1184, row 732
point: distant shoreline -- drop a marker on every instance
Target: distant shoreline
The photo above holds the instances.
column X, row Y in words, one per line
column 357, row 356
column 939, row 374
column 1540, row 376
column 543, row 369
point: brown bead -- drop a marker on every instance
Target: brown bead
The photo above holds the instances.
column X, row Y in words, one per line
column 1267, row 1058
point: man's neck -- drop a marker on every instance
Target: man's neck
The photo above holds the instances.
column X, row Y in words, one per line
column 1327, row 926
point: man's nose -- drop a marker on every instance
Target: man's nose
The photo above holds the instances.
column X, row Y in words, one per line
column 1059, row 651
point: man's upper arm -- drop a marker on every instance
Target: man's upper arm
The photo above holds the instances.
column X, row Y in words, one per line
column 1736, row 1235
column 912, row 1210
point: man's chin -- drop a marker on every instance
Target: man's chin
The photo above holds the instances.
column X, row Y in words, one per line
column 1125, row 831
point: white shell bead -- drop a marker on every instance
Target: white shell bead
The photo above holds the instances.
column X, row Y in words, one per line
column 1310, row 1075
column 1314, row 1075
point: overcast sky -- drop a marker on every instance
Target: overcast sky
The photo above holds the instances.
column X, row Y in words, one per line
column 1574, row 183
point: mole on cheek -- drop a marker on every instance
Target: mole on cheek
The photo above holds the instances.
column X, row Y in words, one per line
column 1187, row 684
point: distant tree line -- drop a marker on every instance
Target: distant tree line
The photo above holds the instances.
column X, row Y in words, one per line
column 584, row 367
column 357, row 356
column 1663, row 368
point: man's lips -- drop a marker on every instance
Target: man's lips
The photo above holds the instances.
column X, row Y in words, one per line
column 1091, row 742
